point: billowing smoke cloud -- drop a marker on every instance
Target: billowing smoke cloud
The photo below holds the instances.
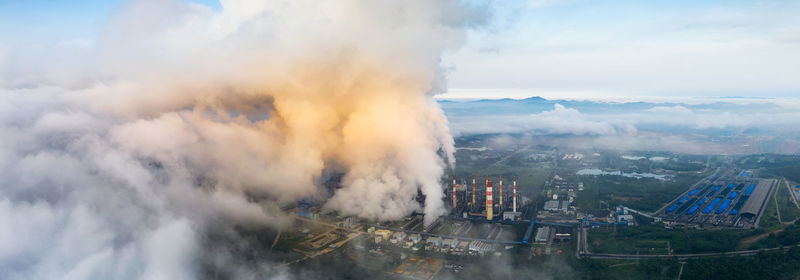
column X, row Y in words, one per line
column 119, row 156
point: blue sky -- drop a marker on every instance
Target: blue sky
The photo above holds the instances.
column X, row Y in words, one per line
column 558, row 48
column 42, row 20
column 598, row 49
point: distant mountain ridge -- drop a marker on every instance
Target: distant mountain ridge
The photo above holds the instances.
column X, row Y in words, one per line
column 537, row 104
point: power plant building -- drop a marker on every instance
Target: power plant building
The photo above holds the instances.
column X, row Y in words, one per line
column 542, row 234
column 757, row 198
column 556, row 206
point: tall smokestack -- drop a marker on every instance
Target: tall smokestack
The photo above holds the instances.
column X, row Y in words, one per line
column 489, row 204
column 454, row 192
column 515, row 194
column 501, row 194
column 473, row 190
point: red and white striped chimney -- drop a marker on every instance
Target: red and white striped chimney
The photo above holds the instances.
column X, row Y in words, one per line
column 454, row 191
column 515, row 193
column 489, row 202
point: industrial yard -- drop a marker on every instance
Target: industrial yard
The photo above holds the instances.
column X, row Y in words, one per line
column 722, row 201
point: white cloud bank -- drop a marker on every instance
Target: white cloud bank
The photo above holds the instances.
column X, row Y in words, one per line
column 569, row 121
column 559, row 121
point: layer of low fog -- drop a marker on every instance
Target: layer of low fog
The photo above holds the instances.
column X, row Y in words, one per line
column 719, row 127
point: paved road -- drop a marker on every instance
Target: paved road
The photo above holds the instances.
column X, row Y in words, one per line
column 680, row 272
column 777, row 209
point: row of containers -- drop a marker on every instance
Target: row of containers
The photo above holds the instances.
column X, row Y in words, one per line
column 697, row 203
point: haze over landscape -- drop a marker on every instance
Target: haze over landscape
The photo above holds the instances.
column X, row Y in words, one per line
column 248, row 139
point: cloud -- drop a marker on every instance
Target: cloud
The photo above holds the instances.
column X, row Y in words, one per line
column 122, row 157
column 698, row 128
column 740, row 117
column 624, row 118
column 559, row 121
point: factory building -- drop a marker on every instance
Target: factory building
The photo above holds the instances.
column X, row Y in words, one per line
column 542, row 235
column 448, row 244
column 556, row 206
column 383, row 233
column 479, row 248
column 399, row 237
column 551, row 205
column 511, row 216
column 757, row 198
column 625, row 219
column 416, row 238
column 433, row 242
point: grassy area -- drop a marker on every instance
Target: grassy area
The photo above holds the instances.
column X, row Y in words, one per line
column 652, row 239
column 286, row 243
column 605, row 242
column 783, row 236
column 769, row 218
column 648, row 269
column 789, row 211
column 773, row 165
column 645, row 194
column 626, row 269
column 773, row 265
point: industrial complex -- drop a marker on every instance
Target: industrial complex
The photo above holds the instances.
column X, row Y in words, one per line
column 490, row 216
column 485, row 202
column 724, row 201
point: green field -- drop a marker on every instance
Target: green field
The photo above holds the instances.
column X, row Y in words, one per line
column 774, row 166
column 789, row 211
column 769, row 218
column 654, row 239
column 645, row 194
column 773, row 265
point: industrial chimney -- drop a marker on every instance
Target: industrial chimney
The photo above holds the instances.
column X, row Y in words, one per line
column 489, row 204
column 501, row 194
column 454, row 192
column 473, row 190
column 515, row 194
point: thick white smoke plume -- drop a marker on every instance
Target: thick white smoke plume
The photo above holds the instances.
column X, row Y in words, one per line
column 118, row 155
